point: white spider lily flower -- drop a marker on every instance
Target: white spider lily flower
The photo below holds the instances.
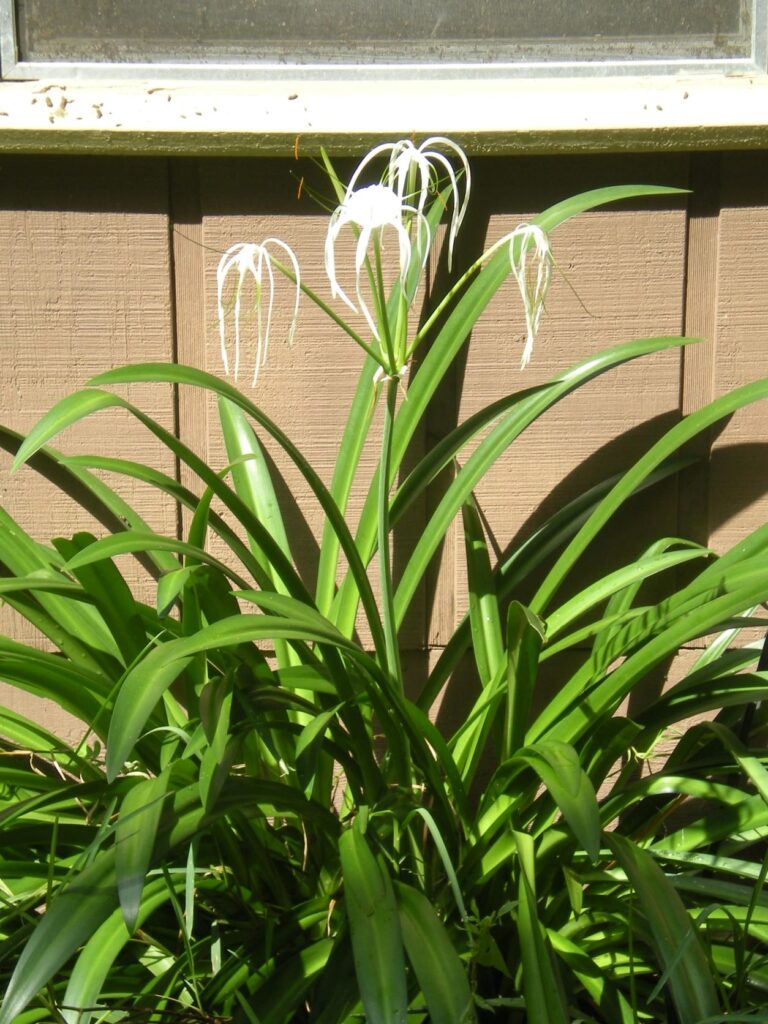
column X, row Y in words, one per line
column 247, row 260
column 426, row 164
column 370, row 210
column 531, row 263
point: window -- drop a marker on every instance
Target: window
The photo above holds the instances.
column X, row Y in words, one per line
column 257, row 76
column 249, row 37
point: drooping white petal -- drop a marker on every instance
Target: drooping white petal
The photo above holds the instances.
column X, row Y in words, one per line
column 253, row 262
column 370, row 210
column 530, row 258
column 430, row 163
column 460, row 202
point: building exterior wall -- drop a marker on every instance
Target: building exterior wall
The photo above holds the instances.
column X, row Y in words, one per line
column 113, row 260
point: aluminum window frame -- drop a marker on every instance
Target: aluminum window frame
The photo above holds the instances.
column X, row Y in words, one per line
column 12, row 68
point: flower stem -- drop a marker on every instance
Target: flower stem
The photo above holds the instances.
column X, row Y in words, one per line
column 329, row 311
column 385, row 568
column 449, row 296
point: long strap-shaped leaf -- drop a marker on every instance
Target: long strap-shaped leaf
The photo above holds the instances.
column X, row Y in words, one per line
column 164, row 373
column 377, row 944
column 694, row 621
column 497, row 442
column 85, row 402
column 449, row 340
column 678, row 947
column 146, row 682
column 170, row 486
column 83, row 906
column 526, row 557
column 89, row 491
column 672, row 441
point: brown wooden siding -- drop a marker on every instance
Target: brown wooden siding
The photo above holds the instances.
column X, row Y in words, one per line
column 106, row 261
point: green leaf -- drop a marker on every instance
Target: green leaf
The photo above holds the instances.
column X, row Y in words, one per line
column 130, row 541
column 145, row 682
column 483, row 605
column 140, row 814
column 678, row 947
column 543, row 1000
column 66, row 412
column 377, row 943
column 495, row 443
column 674, row 439
column 436, row 964
column 252, row 479
column 82, row 906
column 97, row 957
column 613, row 1005
column 525, row 633
column 616, row 582
column 111, row 595
column 177, row 374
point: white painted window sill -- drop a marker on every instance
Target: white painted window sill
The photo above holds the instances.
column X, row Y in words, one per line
column 279, row 117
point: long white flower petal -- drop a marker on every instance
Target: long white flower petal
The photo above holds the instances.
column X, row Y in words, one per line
column 533, row 281
column 249, row 261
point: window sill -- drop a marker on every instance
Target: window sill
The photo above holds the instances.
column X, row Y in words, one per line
column 490, row 116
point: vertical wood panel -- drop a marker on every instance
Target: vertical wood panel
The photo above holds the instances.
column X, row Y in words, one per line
column 188, row 269
column 739, row 468
column 84, row 285
column 698, row 379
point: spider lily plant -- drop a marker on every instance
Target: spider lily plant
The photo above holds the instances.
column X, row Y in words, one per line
column 262, row 822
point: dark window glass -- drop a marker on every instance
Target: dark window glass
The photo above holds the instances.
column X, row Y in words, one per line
column 341, row 31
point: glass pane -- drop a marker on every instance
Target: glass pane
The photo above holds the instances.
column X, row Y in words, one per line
column 313, row 31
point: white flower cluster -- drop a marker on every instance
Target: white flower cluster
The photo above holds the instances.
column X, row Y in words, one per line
column 412, row 180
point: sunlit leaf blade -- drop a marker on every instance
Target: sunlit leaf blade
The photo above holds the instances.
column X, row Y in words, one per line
column 251, row 476
column 543, row 999
column 558, row 767
column 484, row 616
column 66, row 412
column 96, row 959
column 177, row 374
column 140, row 815
column 377, row 943
column 613, row 1004
column 672, row 441
column 677, row 945
column 510, row 427
column 282, row 996
column 436, row 964
column 525, row 633
column 82, row 906
column 146, row 681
